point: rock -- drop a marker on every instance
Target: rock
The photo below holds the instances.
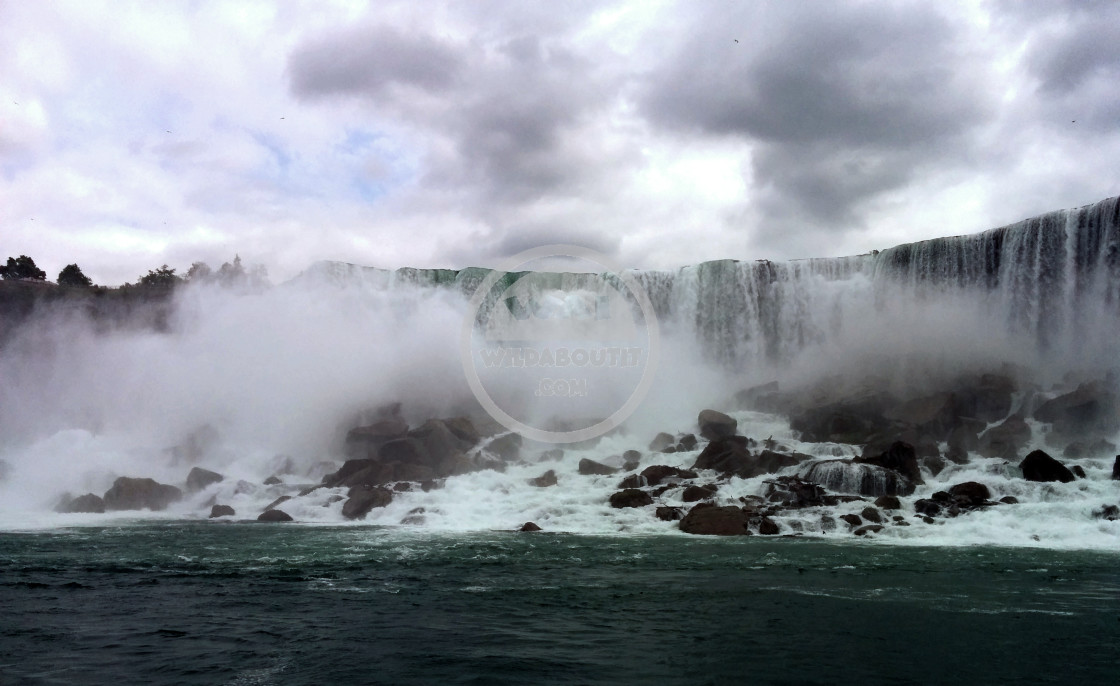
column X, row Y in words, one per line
column 715, row 425
column 792, row 492
column 1097, row 448
column 506, row 447
column 1009, row 500
column 544, row 480
column 1116, row 469
column 970, row 493
column 88, row 503
column 899, row 457
column 869, row 529
column 764, row 397
column 552, row 455
column 439, row 442
column 1089, row 409
column 771, row 462
column 768, row 527
column 632, row 457
column 847, row 476
column 1078, row 471
column 687, row 442
column 634, row 481
column 872, row 515
column 200, row 478
column 273, row 481
column 631, row 497
column 1006, row 439
column 855, row 420
column 851, row 519
column 655, row 474
column 365, row 440
column 363, row 499
column 709, row 520
column 661, row 441
column 464, row 429
column 274, row 516
column 730, row 457
column 693, row 494
column 1038, row 466
column 528, row 527
column 592, row 468
column 140, row 494
column 888, row 502
column 669, row 514
column 279, row 501
column 348, row 468
column 1108, row 512
column 221, row 511
column 927, row 507
column 408, row 450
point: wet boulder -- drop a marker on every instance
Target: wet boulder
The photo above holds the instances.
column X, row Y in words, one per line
column 1006, row 439
column 715, row 425
column 634, row 481
column 899, row 457
column 362, row 499
column 795, row 493
column 440, row 444
column 274, row 516
column 669, row 514
column 870, row 514
column 140, row 494
column 729, row 456
column 662, row 441
column 1091, row 408
column 222, row 511
column 769, row 461
column 364, row 441
column 88, row 503
column 1116, row 469
column 529, row 527
column 768, row 527
column 853, row 520
column 888, row 502
column 686, row 442
column 656, row 474
column 855, row 420
column 711, row 520
column 1109, row 513
column 631, row 497
column 592, row 468
column 506, row 447
column 544, row 480
column 1039, row 466
column 464, row 429
column 850, row 477
column 692, row 494
column 200, row 478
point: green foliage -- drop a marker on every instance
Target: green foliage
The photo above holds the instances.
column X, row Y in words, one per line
column 164, row 277
column 71, row 275
column 22, row 267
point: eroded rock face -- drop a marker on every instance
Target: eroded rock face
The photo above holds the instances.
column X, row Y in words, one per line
column 363, row 499
column 200, row 478
column 1039, row 466
column 729, row 456
column 710, row 520
column 140, row 494
column 899, row 457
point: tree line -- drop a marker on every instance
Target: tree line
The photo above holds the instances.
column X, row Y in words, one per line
column 229, row 275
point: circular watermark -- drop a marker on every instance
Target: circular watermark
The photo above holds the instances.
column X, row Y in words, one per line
column 539, row 345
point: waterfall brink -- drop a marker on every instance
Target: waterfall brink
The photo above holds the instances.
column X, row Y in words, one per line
column 1051, row 283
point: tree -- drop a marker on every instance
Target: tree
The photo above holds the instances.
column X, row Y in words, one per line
column 164, row 277
column 71, row 275
column 199, row 272
column 22, row 267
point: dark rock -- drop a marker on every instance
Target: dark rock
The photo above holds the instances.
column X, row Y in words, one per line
column 1089, row 409
column 440, row 443
column 362, row 499
column 279, row 501
column 970, row 493
column 552, row 455
column 855, row 420
column 401, row 487
column 927, row 507
column 729, row 456
column 941, row 497
column 1108, row 512
column 408, row 450
column 687, row 442
column 770, row 461
column 528, row 527
column 872, row 515
column 851, row 519
column 592, row 468
column 899, row 457
column 200, row 478
column 888, row 502
column 1078, row 471
column 404, row 471
column 710, row 520
column 1097, row 448
column 88, row 503
column 694, row 494
column 1038, row 466
column 764, row 397
column 634, row 481
column 869, row 529
column 631, row 457
column 935, row 465
column 364, row 440
column 274, row 516
column 140, row 494
column 661, row 441
column 506, row 447
column 631, row 497
column 544, row 480
column 655, row 474
column 1116, row 469
column 347, row 469
column 847, row 476
column 795, row 493
column 1005, row 440
column 463, row 429
column 669, row 514
column 715, row 425
column 221, row 511
column 1009, row 500
column 273, row 481
column 768, row 527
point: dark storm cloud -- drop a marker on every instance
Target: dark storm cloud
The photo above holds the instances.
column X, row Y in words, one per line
column 368, row 60
column 842, row 102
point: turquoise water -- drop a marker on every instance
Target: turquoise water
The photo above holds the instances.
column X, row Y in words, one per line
column 205, row 603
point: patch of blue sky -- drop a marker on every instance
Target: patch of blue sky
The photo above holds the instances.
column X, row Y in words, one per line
column 376, row 163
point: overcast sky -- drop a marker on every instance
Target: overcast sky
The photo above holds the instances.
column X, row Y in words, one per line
column 440, row 134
